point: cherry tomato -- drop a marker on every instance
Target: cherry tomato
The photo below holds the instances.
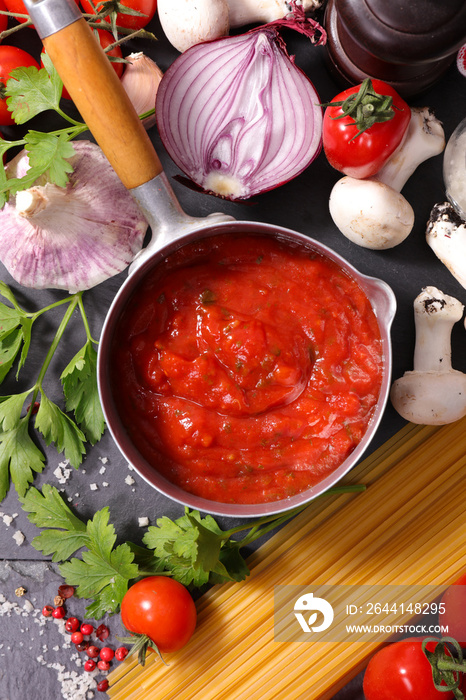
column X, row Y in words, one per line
column 363, row 155
column 454, row 616
column 401, row 671
column 162, row 609
column 134, row 22
column 10, row 58
column 16, row 6
column 3, row 18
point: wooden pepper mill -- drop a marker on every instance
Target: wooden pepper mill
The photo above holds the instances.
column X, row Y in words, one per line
column 407, row 43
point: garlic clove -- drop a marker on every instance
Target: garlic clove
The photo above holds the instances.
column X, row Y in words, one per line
column 72, row 237
column 141, row 81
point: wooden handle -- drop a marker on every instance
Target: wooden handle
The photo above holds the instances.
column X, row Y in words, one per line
column 103, row 103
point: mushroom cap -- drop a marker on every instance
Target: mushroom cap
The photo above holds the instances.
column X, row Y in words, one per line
column 186, row 23
column 370, row 213
column 430, row 398
column 72, row 237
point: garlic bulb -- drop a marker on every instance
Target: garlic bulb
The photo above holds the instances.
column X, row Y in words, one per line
column 71, row 237
column 141, row 81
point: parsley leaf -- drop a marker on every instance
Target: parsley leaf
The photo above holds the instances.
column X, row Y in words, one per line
column 48, row 509
column 19, row 455
column 191, row 548
column 48, row 155
column 57, row 427
column 79, row 381
column 104, row 571
column 31, row 92
column 9, row 348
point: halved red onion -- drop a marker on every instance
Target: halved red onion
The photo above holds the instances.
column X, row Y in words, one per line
column 237, row 115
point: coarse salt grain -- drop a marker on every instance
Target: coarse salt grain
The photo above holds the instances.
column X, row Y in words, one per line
column 129, row 480
column 28, row 606
column 143, row 522
column 62, row 473
column 18, row 537
column 7, row 519
column 93, row 487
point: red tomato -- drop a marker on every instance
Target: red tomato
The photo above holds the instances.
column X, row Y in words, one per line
column 10, row 58
column 162, row 609
column 3, row 18
column 16, row 6
column 363, row 155
column 134, row 22
column 401, row 671
column 454, row 615
column 106, row 39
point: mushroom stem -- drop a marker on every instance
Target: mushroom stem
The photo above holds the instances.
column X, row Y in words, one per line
column 435, row 314
column 424, row 139
column 446, row 235
column 432, row 393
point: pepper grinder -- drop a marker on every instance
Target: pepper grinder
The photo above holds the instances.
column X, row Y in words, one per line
column 407, row 43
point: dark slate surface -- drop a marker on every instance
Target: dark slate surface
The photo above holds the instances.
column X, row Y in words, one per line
column 35, row 657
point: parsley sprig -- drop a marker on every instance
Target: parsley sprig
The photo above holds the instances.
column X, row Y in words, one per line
column 191, row 549
column 20, row 456
column 30, row 92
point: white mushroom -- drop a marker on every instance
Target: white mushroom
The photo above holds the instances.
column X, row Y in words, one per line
column 433, row 393
column 186, row 23
column 372, row 212
column 446, row 235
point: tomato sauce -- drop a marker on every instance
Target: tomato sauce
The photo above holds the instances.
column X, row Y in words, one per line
column 246, row 369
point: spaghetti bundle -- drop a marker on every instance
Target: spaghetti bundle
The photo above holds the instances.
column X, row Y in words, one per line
column 404, row 529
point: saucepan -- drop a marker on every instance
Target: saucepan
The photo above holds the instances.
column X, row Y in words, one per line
column 104, row 105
